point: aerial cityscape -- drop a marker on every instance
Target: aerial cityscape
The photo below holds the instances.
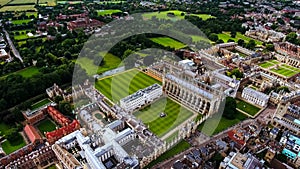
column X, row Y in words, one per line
column 157, row 84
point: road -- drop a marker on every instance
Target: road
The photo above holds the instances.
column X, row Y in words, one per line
column 264, row 117
column 12, row 46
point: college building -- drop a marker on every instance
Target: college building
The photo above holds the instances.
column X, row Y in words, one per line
column 255, row 97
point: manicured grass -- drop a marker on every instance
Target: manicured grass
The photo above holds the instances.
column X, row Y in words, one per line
column 9, row 147
column 121, row 85
column 285, row 71
column 266, row 64
column 22, row 1
column 247, row 107
column 172, row 137
column 175, row 115
column 19, row 22
column 40, row 104
column 221, row 124
column 225, row 36
column 51, row 167
column 177, row 13
column 199, row 38
column 107, row 12
column 110, row 62
column 110, row 2
column 168, row 42
column 17, row 8
column 274, row 61
column 46, row 126
column 181, row 146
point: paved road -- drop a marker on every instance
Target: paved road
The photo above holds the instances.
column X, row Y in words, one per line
column 12, row 46
column 264, row 116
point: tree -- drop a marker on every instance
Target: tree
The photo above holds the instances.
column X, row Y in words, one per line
column 148, row 60
column 251, row 44
column 213, row 37
column 270, row 47
column 241, row 42
column 65, row 107
column 219, row 41
column 230, row 40
column 230, row 108
column 291, row 37
column 233, row 34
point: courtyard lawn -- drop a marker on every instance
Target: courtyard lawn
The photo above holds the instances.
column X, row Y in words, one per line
column 274, row 61
column 247, row 107
column 284, row 71
column 175, row 115
column 168, row 42
column 221, row 124
column 121, row 85
column 290, row 67
column 17, row 8
column 181, row 146
column 40, row 104
column 266, row 64
column 4, row 128
column 110, row 62
column 225, row 36
column 46, row 126
column 107, row 12
column 177, row 13
column 9, row 147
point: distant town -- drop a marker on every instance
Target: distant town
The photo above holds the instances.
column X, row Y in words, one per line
column 228, row 97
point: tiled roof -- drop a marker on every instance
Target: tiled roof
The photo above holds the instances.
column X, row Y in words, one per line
column 31, row 133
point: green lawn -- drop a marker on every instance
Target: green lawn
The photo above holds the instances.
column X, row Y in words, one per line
column 181, row 146
column 46, row 126
column 266, row 64
column 247, row 107
column 110, row 62
column 225, row 36
column 19, row 22
column 285, row 71
column 110, row 2
column 163, row 15
column 9, row 147
column 17, row 8
column 121, row 85
column 274, row 61
column 175, row 115
column 22, row 1
column 48, row 2
column 221, row 124
column 108, row 12
column 200, row 38
column 27, row 72
column 69, row 2
column 4, row 128
column 40, row 104
column 168, row 42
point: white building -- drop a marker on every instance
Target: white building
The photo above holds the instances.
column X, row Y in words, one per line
column 255, row 97
column 141, row 97
column 240, row 161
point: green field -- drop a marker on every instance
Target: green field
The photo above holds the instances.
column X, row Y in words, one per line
column 28, row 72
column 175, row 115
column 222, row 124
column 17, row 8
column 48, row 2
column 181, row 146
column 247, row 107
column 121, row 85
column 9, row 147
column 69, row 2
column 22, row 1
column 110, row 62
column 107, row 12
column 4, row 128
column 177, row 13
column 110, row 2
column 40, row 104
column 19, row 22
column 225, row 36
column 199, row 38
column 168, row 42
column 46, row 126
column 3, row 2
